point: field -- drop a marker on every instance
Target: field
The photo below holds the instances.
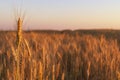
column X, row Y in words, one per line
column 61, row 55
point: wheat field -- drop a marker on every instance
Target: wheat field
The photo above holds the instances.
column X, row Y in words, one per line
column 61, row 55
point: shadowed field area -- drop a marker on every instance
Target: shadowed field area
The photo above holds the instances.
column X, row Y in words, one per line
column 61, row 55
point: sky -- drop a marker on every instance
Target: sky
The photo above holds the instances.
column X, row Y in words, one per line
column 61, row 14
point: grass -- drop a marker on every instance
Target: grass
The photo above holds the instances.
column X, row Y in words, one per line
column 60, row 56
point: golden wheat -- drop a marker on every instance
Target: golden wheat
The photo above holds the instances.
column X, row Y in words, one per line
column 76, row 57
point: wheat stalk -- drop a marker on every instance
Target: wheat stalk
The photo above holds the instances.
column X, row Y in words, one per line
column 19, row 32
column 53, row 72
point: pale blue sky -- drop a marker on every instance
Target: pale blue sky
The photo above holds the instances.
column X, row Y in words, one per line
column 62, row 14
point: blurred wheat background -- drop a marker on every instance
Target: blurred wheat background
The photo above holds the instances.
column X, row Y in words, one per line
column 65, row 55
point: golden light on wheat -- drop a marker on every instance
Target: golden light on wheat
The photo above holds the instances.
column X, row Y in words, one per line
column 59, row 55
